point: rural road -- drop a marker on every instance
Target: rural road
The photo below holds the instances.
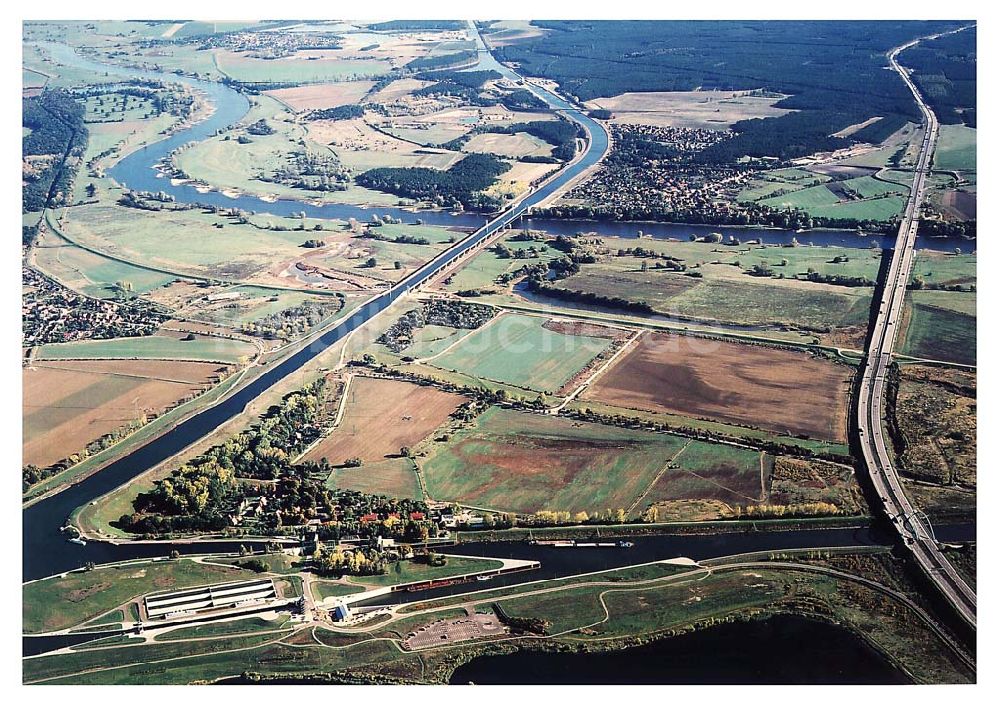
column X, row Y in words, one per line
column 909, row 522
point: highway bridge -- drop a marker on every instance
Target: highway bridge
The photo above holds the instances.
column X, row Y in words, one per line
column 911, row 524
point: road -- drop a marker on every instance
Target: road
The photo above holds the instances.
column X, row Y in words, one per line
column 910, row 523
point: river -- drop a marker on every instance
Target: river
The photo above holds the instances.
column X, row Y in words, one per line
column 799, row 651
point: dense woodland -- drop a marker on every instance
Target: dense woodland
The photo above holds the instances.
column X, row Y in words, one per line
column 833, row 72
column 461, row 185
column 945, row 71
column 52, row 149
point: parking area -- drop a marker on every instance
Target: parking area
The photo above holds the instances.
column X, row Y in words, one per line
column 448, row 631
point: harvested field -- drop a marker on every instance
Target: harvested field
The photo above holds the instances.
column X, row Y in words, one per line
column 520, row 144
column 381, row 416
column 959, row 204
column 70, row 404
column 399, row 88
column 773, row 389
column 593, row 330
column 697, row 109
column 520, row 462
column 322, row 95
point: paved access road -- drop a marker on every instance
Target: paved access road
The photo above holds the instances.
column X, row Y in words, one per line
column 910, row 523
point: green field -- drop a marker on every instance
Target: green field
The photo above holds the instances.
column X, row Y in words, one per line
column 945, row 268
column 710, row 471
column 61, row 602
column 869, row 187
column 518, row 350
column 958, row 301
column 940, row 334
column 227, row 628
column 881, row 208
column 805, row 199
column 91, row 273
column 393, row 477
column 956, row 149
column 292, row 70
column 152, row 347
column 323, row 589
column 752, row 303
column 431, row 340
column 519, row 462
column 410, row 571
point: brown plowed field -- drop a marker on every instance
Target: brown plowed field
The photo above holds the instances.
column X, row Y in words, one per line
column 382, row 416
column 68, row 404
column 778, row 390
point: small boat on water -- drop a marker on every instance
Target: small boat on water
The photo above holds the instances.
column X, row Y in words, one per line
column 78, row 541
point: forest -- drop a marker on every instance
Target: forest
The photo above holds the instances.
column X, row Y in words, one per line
column 945, row 70
column 462, row 184
column 832, row 71
column 56, row 139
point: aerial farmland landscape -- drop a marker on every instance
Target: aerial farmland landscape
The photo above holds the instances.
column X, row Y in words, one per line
column 499, row 352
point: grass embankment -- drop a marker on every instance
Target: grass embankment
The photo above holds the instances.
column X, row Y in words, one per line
column 65, row 601
column 411, row 571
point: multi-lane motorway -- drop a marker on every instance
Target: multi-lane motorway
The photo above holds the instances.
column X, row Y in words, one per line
column 912, row 525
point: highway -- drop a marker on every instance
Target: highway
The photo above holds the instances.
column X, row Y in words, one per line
column 911, row 524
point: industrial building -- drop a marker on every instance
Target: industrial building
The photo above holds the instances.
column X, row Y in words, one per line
column 209, row 597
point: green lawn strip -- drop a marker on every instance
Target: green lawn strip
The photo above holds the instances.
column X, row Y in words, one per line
column 226, row 628
column 52, row 666
column 409, row 571
column 117, row 640
column 65, row 601
column 323, row 589
column 623, row 575
column 275, row 562
column 273, row 659
column 113, row 617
